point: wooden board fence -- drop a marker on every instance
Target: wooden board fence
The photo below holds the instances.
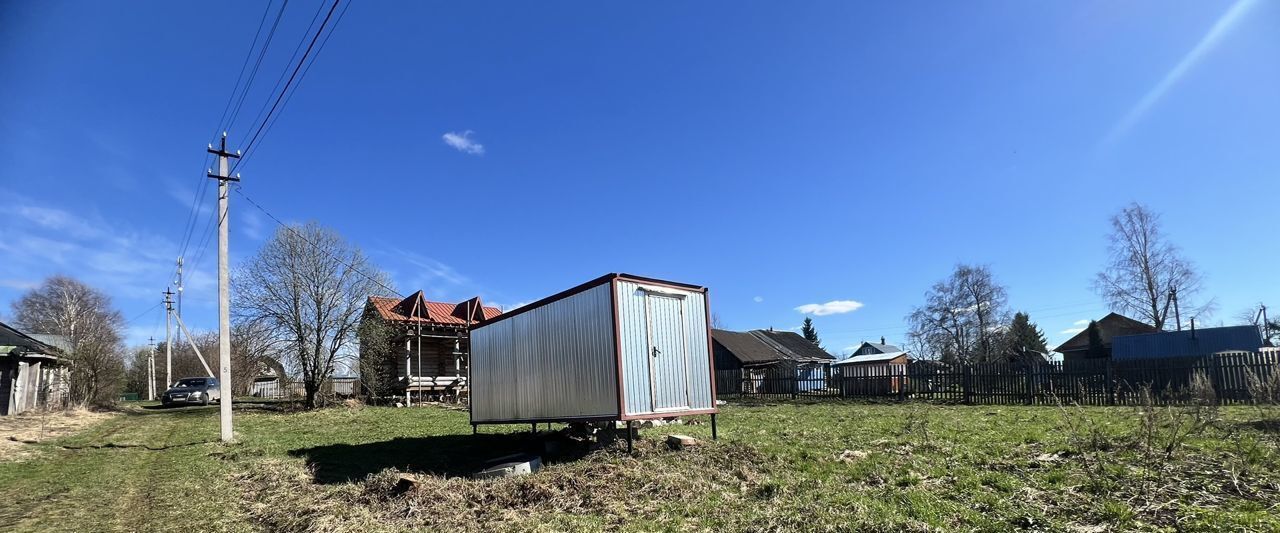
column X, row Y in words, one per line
column 1098, row 382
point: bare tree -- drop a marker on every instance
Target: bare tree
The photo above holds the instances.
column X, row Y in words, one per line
column 137, row 371
column 255, row 351
column 1254, row 316
column 307, row 288
column 65, row 306
column 1146, row 271
column 962, row 316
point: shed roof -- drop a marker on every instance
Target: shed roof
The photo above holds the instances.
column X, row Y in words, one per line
column 417, row 309
column 14, row 342
column 746, row 347
column 791, row 341
column 1187, row 343
column 764, row 346
column 1112, row 325
column 871, row 358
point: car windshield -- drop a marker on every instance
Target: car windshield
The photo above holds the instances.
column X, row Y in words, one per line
column 190, row 383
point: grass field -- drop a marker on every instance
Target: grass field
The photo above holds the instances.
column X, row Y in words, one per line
column 786, row 467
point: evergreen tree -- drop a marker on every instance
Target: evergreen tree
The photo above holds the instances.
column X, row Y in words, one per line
column 1024, row 337
column 810, row 334
column 1096, row 348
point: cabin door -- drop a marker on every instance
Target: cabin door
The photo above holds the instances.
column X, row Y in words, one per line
column 668, row 355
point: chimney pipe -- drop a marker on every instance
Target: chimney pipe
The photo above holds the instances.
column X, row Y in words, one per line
column 882, row 339
column 1193, row 328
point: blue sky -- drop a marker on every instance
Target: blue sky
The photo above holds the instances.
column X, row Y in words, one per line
column 781, row 154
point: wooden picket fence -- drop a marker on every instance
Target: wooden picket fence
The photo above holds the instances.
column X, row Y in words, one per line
column 1098, row 382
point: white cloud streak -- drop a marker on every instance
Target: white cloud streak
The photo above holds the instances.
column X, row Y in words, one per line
column 758, row 299
column 833, row 307
column 463, row 142
column 1219, row 30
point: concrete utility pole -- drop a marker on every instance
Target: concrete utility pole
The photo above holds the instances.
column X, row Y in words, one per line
column 179, row 283
column 151, row 370
column 224, row 290
column 168, row 337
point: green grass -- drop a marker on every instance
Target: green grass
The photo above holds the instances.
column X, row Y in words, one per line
column 787, row 467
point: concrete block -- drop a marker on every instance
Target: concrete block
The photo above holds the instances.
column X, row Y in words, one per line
column 677, row 442
column 511, row 466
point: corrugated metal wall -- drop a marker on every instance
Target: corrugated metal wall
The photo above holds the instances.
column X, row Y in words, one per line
column 553, row 362
column 679, row 325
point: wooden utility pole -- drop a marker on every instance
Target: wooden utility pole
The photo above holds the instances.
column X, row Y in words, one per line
column 224, row 290
column 1177, row 315
column 168, row 337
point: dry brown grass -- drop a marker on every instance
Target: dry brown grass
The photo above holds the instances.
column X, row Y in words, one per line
column 622, row 489
column 18, row 433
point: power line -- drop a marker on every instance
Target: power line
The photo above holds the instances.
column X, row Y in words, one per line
column 305, row 70
column 344, row 263
column 142, row 314
column 285, row 71
column 254, row 139
column 258, row 64
column 189, row 228
column 244, row 65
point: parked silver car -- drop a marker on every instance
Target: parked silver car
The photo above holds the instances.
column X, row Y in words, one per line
column 192, row 390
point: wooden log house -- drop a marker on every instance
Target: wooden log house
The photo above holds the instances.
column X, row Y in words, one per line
column 425, row 352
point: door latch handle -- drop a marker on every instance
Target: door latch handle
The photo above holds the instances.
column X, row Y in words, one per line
column 656, row 351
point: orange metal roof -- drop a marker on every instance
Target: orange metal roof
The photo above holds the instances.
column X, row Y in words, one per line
column 416, row 309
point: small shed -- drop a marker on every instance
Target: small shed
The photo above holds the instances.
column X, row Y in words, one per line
column 873, row 369
column 33, row 372
column 619, row 347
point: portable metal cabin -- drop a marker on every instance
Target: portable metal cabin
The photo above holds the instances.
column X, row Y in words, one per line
column 620, row 347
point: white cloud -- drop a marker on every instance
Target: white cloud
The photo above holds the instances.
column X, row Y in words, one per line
column 251, row 225
column 131, row 266
column 833, row 307
column 758, row 299
column 1077, row 327
column 463, row 142
column 19, row 284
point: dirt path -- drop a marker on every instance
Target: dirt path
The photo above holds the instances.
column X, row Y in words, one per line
column 142, row 470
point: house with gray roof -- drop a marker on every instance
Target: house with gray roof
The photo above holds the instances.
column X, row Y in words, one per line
column 870, row 353
column 766, row 358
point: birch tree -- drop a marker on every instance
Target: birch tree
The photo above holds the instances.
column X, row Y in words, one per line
column 1145, row 270
column 306, row 288
column 62, row 305
column 962, row 316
